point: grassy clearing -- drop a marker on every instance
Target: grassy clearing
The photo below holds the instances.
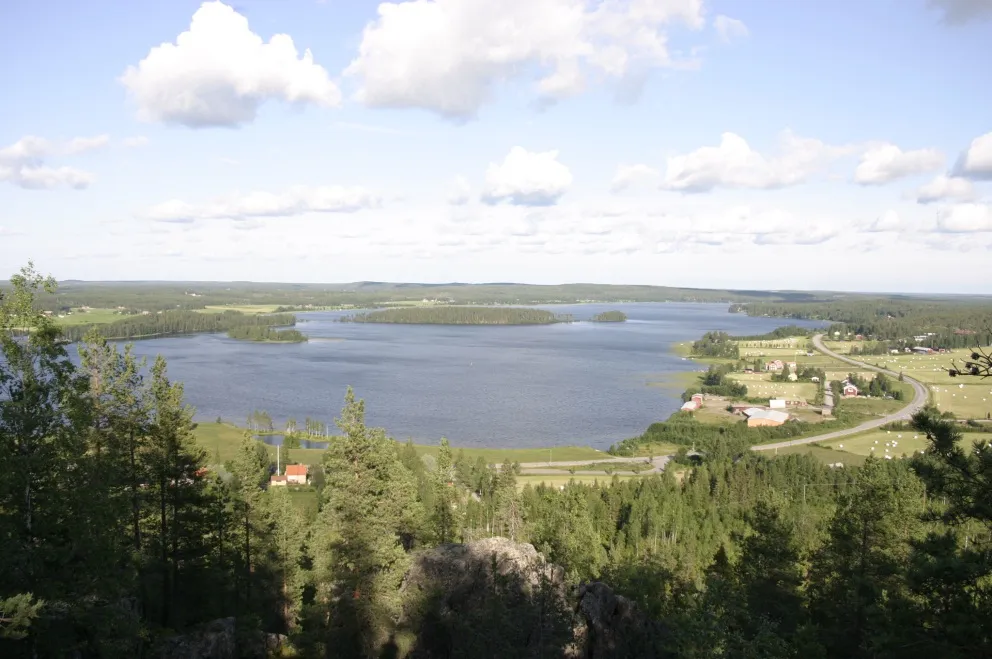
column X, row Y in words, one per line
column 243, row 308
column 91, row 317
column 967, row 401
column 906, row 442
column 824, row 455
column 221, row 442
column 760, row 386
column 223, row 439
column 680, row 381
column 874, row 406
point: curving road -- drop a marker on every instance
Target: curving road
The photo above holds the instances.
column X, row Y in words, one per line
column 919, row 400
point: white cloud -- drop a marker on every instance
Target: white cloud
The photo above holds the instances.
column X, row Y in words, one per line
column 136, row 141
column 295, row 201
column 730, row 29
column 461, row 191
column 958, row 12
column 23, row 164
column 527, row 178
column 887, row 221
column 945, row 187
column 631, row 175
column 883, row 163
column 733, row 164
column 976, row 162
column 79, row 145
column 219, row 72
column 447, row 55
column 966, row 218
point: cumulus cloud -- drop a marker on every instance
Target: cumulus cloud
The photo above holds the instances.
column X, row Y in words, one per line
column 219, row 72
column 958, row 12
column 79, row 145
column 295, row 201
column 460, row 192
column 976, row 161
column 945, row 187
column 730, row 29
column 447, row 55
column 883, row 163
column 887, row 221
column 628, row 176
column 527, row 178
column 733, row 164
column 965, row 218
column 23, row 164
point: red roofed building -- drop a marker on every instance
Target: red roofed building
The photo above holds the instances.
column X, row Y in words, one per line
column 297, row 474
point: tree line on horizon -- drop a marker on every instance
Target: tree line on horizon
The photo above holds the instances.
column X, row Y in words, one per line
column 177, row 322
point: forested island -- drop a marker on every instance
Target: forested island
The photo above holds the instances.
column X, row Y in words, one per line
column 609, row 317
column 452, row 315
column 177, row 322
column 266, row 334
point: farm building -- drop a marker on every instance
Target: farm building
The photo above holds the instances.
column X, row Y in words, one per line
column 920, row 350
column 296, row 474
column 850, row 390
column 757, row 417
column 777, row 403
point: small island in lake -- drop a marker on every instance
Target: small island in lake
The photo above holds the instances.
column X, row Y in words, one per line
column 455, row 315
column 609, row 317
column 266, row 334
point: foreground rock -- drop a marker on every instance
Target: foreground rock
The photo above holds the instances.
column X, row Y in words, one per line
column 219, row 639
column 498, row 598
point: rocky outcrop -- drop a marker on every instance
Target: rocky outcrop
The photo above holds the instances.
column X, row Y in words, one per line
column 611, row 625
column 496, row 597
column 219, row 639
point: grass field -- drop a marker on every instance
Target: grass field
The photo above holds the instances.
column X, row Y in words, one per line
column 91, row 317
column 759, row 385
column 243, row 308
column 223, row 439
column 824, row 455
column 221, row 442
column 907, row 442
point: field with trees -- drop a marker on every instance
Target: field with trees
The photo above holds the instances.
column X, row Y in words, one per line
column 457, row 315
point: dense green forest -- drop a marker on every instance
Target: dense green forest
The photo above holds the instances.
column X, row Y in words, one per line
column 116, row 533
column 609, row 317
column 262, row 333
column 716, row 344
column 160, row 296
column 459, row 316
column 891, row 322
column 176, row 322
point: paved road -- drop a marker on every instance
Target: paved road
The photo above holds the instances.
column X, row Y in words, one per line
column 919, row 400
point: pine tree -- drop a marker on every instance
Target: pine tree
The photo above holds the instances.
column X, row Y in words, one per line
column 369, row 519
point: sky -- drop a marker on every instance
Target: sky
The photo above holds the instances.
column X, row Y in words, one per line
column 843, row 145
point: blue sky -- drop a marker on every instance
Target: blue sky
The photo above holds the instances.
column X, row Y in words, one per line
column 842, row 145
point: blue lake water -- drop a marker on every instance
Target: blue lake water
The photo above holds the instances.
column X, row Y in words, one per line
column 500, row 386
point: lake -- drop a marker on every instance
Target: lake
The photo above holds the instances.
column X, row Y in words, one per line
column 493, row 386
